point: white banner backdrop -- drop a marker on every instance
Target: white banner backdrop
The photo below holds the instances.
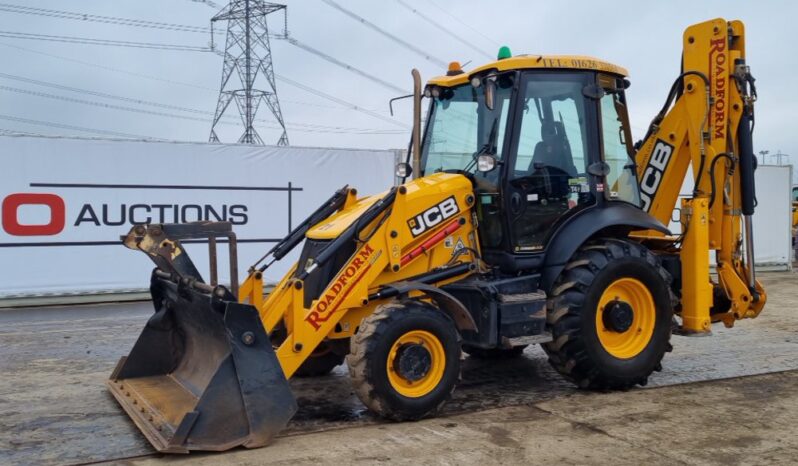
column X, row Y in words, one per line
column 65, row 203
column 772, row 217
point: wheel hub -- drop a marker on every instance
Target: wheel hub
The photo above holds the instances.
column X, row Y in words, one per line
column 412, row 362
column 618, row 316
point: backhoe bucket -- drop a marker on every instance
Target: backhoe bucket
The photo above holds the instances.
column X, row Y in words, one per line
column 203, row 374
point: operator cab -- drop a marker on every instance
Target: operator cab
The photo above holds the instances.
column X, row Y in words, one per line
column 542, row 139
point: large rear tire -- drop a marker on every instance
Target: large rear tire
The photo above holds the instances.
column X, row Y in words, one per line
column 404, row 361
column 610, row 313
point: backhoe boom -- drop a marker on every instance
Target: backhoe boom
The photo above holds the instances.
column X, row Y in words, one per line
column 707, row 130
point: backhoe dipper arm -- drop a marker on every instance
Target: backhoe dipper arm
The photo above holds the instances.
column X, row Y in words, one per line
column 706, row 124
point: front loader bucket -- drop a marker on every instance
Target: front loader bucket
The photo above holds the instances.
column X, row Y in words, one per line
column 203, row 374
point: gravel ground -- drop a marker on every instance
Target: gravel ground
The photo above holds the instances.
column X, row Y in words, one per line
column 54, row 408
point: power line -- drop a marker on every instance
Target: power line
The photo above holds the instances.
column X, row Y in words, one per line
column 145, row 76
column 96, row 104
column 15, row 132
column 346, row 66
column 312, row 128
column 75, row 128
column 61, row 14
column 207, row 2
column 387, row 34
column 443, row 28
column 447, row 13
column 100, row 94
column 105, row 42
column 107, row 68
column 175, row 27
column 340, row 102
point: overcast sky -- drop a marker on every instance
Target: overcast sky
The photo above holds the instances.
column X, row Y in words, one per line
column 644, row 37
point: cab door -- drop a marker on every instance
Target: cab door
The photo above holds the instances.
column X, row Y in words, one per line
column 554, row 142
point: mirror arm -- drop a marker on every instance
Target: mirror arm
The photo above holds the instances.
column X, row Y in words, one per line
column 416, row 121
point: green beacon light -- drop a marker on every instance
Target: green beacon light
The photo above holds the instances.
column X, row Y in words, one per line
column 504, row 52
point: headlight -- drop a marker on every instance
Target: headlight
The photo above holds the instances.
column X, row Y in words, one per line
column 486, row 163
column 403, row 170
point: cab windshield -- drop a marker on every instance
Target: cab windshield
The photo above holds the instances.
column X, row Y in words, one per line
column 461, row 127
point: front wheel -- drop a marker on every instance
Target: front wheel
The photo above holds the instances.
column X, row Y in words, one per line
column 404, row 361
column 610, row 312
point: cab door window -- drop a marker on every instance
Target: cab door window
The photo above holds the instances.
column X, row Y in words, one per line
column 549, row 176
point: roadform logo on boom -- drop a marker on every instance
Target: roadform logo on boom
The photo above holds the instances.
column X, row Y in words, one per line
column 718, row 65
column 344, row 283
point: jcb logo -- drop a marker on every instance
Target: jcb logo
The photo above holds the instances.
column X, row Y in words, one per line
column 655, row 170
column 433, row 216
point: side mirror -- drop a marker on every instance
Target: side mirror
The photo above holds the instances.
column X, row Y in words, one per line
column 486, row 163
column 403, row 170
column 490, row 89
column 490, row 93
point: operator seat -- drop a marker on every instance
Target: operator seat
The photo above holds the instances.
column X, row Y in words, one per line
column 553, row 150
column 552, row 159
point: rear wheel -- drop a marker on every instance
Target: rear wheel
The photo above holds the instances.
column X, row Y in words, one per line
column 610, row 313
column 404, row 360
column 494, row 353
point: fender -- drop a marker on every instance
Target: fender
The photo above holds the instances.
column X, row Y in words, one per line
column 571, row 235
column 445, row 301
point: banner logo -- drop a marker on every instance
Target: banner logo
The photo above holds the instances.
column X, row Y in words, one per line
column 13, row 226
column 66, row 213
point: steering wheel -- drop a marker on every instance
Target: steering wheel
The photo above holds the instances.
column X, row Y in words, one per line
column 546, row 182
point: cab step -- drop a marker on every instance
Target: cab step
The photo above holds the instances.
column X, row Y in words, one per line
column 523, row 297
column 544, row 337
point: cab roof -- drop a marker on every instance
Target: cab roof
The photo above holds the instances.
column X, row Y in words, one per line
column 568, row 62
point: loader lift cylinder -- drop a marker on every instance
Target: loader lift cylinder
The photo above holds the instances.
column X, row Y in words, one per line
column 297, row 235
column 351, row 233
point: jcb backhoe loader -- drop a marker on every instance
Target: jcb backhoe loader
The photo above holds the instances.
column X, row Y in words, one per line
column 531, row 218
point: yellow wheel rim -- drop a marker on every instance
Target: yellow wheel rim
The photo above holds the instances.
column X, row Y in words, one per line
column 628, row 343
column 432, row 377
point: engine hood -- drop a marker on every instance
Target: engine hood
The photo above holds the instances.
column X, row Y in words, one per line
column 422, row 192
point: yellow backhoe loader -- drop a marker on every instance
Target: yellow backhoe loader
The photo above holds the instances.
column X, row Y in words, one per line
column 530, row 218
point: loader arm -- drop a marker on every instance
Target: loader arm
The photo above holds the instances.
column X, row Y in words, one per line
column 706, row 125
column 385, row 253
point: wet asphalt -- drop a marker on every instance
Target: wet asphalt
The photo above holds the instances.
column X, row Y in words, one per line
column 54, row 408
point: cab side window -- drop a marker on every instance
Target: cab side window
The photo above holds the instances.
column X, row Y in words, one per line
column 622, row 178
